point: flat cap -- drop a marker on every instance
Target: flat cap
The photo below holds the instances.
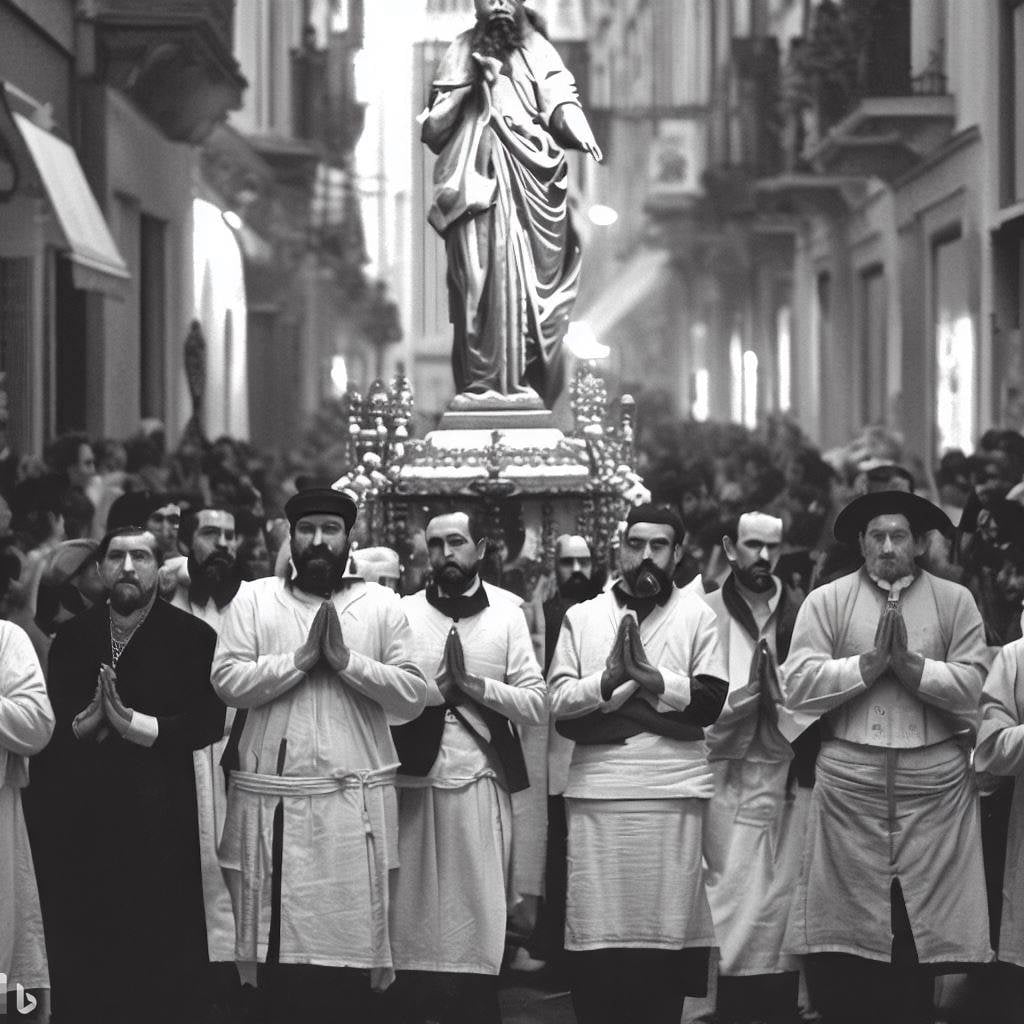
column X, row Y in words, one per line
column 323, row 501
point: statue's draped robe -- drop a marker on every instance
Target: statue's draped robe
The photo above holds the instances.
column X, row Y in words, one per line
column 501, row 204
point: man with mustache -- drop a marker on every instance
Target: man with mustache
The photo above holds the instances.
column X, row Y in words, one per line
column 635, row 680
column 461, row 763
column 574, row 581
column 502, row 111
column 323, row 663
column 210, row 582
column 892, row 659
column 756, row 820
column 114, row 818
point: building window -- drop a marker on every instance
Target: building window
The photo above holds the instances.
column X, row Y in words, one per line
column 954, row 347
column 736, row 377
column 874, row 344
column 823, row 331
column 152, row 315
column 784, row 356
column 70, row 364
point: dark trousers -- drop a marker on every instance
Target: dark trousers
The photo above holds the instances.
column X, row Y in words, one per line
column 635, row 986
column 303, row 994
column 548, row 940
column 766, row 997
column 852, row 990
column 447, row 998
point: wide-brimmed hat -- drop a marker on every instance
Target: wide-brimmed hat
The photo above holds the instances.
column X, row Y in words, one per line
column 920, row 512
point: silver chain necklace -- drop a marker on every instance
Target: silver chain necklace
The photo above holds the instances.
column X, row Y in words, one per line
column 117, row 646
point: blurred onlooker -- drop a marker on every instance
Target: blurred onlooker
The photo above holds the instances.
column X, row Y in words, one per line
column 253, row 553
column 953, row 480
column 79, row 513
column 69, row 584
column 37, row 507
column 156, row 512
column 111, row 461
column 378, row 565
column 993, row 565
column 109, row 483
column 145, row 462
column 8, row 463
column 72, row 461
column 14, row 604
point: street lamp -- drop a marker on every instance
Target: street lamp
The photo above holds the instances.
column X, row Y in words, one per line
column 602, row 216
column 582, row 342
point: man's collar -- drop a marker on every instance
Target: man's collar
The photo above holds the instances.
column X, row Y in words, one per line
column 752, row 597
column 895, row 588
column 463, row 606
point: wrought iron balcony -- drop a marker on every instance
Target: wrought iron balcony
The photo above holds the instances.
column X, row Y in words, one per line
column 869, row 115
column 172, row 57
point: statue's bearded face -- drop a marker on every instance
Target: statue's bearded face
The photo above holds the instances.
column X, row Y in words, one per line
column 510, row 10
column 500, row 27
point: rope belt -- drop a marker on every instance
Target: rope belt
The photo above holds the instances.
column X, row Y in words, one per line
column 344, row 779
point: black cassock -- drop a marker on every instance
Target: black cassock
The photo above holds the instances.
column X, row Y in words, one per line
column 114, row 827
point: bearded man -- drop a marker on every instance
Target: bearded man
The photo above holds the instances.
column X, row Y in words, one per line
column 893, row 659
column 114, row 800
column 637, row 677
column 322, row 663
column 461, row 761
column 756, row 820
column 212, row 579
column 574, row 582
column 502, row 107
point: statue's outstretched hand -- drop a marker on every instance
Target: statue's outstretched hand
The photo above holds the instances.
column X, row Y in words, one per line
column 577, row 128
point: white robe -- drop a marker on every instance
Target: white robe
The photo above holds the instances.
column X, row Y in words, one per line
column 456, row 832
column 1000, row 751
column 212, row 804
column 336, row 778
column 754, row 829
column 893, row 797
column 26, row 724
column 612, row 786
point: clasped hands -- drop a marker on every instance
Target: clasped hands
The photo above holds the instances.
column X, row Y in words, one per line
column 325, row 641
column 104, row 712
column 454, row 681
column 627, row 661
column 890, row 652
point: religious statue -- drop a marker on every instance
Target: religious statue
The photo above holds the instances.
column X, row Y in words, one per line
column 503, row 110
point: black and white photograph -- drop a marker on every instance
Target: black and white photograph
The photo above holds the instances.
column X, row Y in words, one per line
column 512, row 511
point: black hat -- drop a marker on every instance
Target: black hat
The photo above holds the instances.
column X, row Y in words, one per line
column 133, row 509
column 663, row 515
column 920, row 512
column 325, row 500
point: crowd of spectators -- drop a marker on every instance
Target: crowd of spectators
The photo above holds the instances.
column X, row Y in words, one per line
column 713, row 472
column 55, row 510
